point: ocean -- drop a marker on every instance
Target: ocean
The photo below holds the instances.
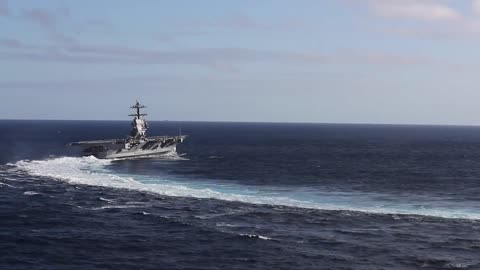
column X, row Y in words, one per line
column 242, row 196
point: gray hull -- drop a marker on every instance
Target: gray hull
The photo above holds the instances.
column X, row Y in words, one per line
column 136, row 153
column 110, row 149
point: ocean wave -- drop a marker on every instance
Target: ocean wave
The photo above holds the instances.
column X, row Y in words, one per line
column 93, row 171
column 255, row 236
column 115, row 207
column 105, row 200
column 7, row 185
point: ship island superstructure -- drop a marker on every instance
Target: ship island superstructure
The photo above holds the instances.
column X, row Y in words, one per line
column 137, row 144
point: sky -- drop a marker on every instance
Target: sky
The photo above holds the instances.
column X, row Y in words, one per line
column 328, row 61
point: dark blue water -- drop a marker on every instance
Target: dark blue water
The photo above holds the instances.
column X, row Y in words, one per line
column 242, row 196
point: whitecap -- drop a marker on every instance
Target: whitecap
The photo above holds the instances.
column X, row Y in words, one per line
column 105, row 200
column 256, row 236
column 114, row 207
column 224, row 224
column 30, row 193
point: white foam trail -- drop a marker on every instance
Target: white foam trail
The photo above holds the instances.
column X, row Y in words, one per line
column 92, row 171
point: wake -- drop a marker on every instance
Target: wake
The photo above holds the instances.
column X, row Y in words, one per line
column 94, row 172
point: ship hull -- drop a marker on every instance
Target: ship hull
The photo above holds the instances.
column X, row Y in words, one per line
column 112, row 149
column 112, row 154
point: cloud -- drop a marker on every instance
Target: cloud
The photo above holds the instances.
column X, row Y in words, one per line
column 48, row 20
column 433, row 19
column 238, row 21
column 98, row 25
column 242, row 21
column 212, row 57
column 425, row 10
column 224, row 59
column 42, row 17
column 10, row 43
column 61, row 84
column 4, row 11
column 230, row 22
column 384, row 58
column 476, row 6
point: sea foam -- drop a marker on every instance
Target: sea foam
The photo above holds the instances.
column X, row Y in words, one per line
column 93, row 171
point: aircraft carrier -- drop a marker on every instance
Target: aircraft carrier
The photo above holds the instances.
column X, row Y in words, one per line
column 137, row 144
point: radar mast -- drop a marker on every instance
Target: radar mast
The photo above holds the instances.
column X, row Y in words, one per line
column 139, row 125
column 138, row 106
